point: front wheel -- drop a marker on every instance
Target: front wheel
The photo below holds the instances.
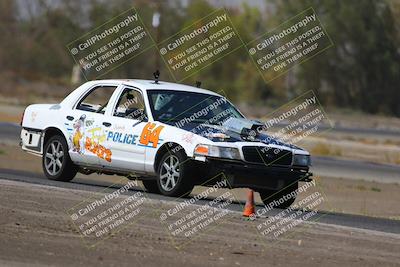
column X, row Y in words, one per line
column 281, row 199
column 174, row 175
column 56, row 163
column 151, row 186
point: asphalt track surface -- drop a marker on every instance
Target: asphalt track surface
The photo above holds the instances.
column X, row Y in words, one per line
column 354, row 221
column 350, row 130
column 356, row 170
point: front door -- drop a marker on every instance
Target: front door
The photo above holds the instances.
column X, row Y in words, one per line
column 124, row 130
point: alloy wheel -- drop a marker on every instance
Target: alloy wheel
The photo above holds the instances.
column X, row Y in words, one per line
column 169, row 173
column 54, row 158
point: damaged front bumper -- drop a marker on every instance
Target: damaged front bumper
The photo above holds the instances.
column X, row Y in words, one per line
column 256, row 176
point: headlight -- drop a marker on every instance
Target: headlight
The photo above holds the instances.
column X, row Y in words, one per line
column 217, row 152
column 302, row 160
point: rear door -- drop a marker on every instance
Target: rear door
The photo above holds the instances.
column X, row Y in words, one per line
column 86, row 129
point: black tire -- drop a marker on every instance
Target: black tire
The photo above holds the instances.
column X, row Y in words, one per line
column 268, row 196
column 51, row 167
column 183, row 181
column 151, row 186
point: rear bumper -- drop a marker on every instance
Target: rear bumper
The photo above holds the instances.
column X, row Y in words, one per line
column 32, row 140
column 257, row 176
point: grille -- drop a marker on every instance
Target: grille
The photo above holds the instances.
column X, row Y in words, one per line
column 267, row 155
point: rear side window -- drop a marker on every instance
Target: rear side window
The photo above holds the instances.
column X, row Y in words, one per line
column 97, row 99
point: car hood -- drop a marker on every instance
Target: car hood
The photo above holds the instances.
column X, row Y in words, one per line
column 217, row 133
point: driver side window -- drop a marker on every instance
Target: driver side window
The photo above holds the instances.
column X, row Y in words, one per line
column 130, row 105
column 97, row 99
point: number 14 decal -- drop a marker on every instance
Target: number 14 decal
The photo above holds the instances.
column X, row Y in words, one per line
column 150, row 134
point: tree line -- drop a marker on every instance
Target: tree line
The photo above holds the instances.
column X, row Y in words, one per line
column 361, row 71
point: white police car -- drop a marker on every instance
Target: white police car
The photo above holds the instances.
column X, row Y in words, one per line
column 170, row 136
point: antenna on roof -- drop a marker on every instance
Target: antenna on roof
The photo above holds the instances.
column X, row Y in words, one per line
column 156, row 74
column 198, row 84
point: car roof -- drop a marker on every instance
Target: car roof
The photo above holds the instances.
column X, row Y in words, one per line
column 161, row 85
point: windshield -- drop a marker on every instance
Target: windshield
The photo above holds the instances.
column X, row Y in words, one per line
column 187, row 107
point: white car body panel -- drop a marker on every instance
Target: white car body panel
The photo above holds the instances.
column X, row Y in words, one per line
column 127, row 155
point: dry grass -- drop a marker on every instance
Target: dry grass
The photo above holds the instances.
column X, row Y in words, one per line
column 376, row 189
column 322, row 149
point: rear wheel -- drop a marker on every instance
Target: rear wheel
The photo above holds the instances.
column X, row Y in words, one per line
column 56, row 163
column 174, row 175
column 281, row 197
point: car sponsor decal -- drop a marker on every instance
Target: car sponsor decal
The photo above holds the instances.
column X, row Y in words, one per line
column 86, row 135
column 123, row 138
column 151, row 134
column 77, row 135
column 68, row 127
column 33, row 116
column 98, row 149
column 85, row 138
column 129, row 139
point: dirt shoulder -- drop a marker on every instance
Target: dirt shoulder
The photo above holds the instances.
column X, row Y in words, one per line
column 35, row 230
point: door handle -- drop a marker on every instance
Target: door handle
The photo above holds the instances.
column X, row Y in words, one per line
column 70, row 118
column 107, row 124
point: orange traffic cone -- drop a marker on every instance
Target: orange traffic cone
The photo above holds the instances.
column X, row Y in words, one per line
column 249, row 207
